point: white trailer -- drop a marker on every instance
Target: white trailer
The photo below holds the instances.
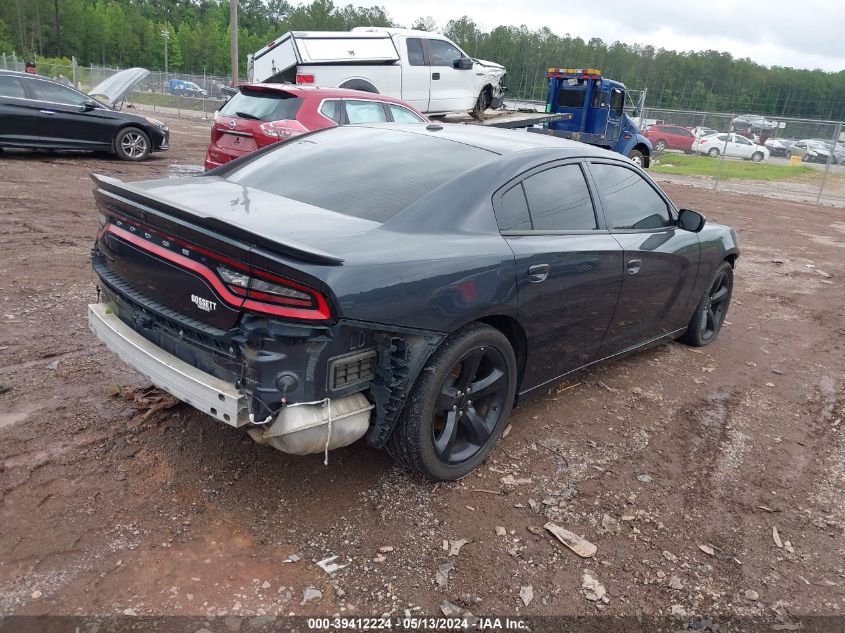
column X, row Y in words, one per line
column 426, row 70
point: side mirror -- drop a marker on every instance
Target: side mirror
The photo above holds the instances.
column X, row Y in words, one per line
column 89, row 105
column 463, row 63
column 690, row 220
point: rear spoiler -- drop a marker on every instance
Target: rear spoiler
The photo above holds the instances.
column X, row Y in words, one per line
column 144, row 202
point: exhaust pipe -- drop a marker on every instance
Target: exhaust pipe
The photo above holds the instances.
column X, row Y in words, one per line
column 302, row 429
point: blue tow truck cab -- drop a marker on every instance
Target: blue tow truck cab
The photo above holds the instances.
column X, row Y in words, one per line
column 595, row 109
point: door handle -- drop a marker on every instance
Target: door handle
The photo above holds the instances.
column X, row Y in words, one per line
column 50, row 112
column 538, row 273
column 435, row 75
column 634, row 266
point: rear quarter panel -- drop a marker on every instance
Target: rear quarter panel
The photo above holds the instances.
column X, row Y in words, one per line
column 386, row 78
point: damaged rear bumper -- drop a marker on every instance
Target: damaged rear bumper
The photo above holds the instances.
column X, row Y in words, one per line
column 308, row 387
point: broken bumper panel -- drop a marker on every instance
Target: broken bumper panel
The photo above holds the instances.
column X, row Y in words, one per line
column 217, row 398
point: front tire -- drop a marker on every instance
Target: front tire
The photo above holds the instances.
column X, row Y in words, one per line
column 481, row 105
column 457, row 409
column 637, row 157
column 757, row 157
column 707, row 320
column 132, row 144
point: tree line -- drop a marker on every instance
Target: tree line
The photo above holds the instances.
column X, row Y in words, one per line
column 130, row 33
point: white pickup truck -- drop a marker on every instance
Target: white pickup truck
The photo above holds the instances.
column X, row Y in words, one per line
column 424, row 69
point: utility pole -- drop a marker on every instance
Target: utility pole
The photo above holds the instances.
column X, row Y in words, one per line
column 233, row 24
column 166, row 35
column 58, row 28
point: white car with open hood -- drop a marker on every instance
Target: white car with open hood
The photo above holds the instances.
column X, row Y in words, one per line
column 426, row 70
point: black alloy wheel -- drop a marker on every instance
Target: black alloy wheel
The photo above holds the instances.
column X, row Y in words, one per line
column 708, row 318
column 469, row 405
column 459, row 405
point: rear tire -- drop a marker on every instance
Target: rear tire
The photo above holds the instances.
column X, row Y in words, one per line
column 706, row 322
column 441, row 433
column 660, row 146
column 788, row 155
column 132, row 144
column 714, row 152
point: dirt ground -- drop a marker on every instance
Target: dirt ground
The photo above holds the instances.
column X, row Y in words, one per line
column 111, row 506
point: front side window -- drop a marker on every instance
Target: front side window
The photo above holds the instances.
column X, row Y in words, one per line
column 402, row 115
column 364, row 112
column 443, row 53
column 415, row 51
column 630, row 202
column 617, row 101
column 47, row 91
column 559, row 200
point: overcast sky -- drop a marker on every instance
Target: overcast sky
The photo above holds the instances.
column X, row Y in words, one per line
column 796, row 33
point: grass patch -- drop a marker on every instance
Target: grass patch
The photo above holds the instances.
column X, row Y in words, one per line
column 686, row 165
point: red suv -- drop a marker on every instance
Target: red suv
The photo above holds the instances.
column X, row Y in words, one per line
column 261, row 114
column 665, row 137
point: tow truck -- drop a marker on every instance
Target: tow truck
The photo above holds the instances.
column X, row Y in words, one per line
column 596, row 113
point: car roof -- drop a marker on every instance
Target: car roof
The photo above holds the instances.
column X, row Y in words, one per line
column 324, row 93
column 496, row 140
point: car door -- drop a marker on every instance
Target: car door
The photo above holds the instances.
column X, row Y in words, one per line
column 568, row 268
column 66, row 121
column 416, row 74
column 660, row 260
column 452, row 89
column 741, row 146
column 18, row 113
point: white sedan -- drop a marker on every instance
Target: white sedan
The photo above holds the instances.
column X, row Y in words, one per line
column 730, row 145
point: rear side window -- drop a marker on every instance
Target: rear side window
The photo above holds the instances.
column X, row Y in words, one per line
column 364, row 112
column 415, row 51
column 332, row 109
column 629, row 201
column 262, row 105
column 559, row 200
column 362, row 172
column 512, row 210
column 11, row 87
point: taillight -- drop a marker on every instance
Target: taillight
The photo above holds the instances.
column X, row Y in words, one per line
column 302, row 78
column 270, row 294
column 282, row 129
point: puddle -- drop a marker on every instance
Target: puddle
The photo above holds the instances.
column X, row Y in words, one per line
column 8, row 419
column 177, row 170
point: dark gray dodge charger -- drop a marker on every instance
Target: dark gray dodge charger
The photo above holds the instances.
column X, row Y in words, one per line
column 407, row 284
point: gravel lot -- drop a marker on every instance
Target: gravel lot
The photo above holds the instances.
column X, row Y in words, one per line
column 677, row 463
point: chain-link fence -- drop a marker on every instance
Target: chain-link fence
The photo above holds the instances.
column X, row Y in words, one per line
column 178, row 94
column 798, row 159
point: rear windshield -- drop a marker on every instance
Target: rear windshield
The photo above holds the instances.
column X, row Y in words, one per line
column 368, row 173
column 571, row 97
column 262, row 105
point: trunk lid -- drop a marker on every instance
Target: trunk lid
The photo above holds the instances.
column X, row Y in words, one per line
column 197, row 253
